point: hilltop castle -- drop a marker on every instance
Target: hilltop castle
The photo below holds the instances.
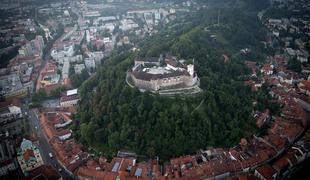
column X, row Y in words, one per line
column 156, row 74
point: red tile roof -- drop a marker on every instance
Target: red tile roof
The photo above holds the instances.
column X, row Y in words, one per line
column 85, row 172
column 267, row 171
column 305, row 85
column 262, row 117
column 29, row 153
column 45, row 171
column 69, row 98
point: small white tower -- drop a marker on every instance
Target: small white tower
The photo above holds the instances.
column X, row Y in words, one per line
column 190, row 68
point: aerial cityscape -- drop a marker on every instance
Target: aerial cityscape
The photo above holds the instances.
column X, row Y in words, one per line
column 154, row 89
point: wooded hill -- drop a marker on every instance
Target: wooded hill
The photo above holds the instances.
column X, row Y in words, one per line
column 112, row 116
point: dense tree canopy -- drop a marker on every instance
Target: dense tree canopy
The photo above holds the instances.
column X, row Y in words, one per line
column 77, row 79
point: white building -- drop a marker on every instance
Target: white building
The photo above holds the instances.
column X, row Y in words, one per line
column 61, row 125
column 97, row 55
column 109, row 26
column 29, row 156
column 68, row 102
column 157, row 15
column 90, row 63
column 70, row 99
column 104, row 19
column 128, row 24
column 190, row 69
column 302, row 59
column 89, row 14
column 87, row 36
column 68, row 51
column 10, row 112
column 72, row 92
column 71, row 59
column 78, row 68
column 25, row 72
column 65, row 136
column 148, row 16
column 106, row 40
column 11, row 122
column 66, row 13
column 65, row 70
column 172, row 11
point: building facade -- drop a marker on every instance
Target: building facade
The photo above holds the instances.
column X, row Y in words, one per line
column 8, row 161
column 11, row 121
column 70, row 99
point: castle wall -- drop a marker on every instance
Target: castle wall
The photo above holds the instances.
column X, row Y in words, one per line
column 155, row 85
column 142, row 84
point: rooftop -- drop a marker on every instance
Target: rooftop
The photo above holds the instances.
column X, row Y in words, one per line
column 69, row 98
column 10, row 83
column 304, row 84
column 174, row 63
column 159, row 70
column 72, row 92
column 26, row 144
column 28, row 155
column 46, row 172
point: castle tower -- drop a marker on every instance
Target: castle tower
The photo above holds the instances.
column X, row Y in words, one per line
column 190, row 68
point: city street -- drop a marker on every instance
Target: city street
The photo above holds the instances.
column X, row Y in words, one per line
column 44, row 145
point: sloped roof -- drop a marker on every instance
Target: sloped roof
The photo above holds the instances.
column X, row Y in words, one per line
column 267, row 171
column 28, row 155
column 305, row 85
column 46, row 171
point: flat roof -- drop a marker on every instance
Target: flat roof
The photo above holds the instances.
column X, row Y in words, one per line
column 138, row 172
column 72, row 92
column 158, row 70
column 115, row 167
